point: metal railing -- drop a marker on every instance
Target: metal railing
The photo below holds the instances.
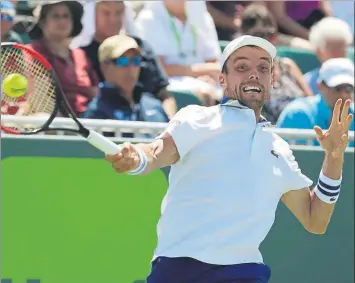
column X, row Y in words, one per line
column 141, row 129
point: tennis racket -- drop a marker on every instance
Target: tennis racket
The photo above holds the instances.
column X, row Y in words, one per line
column 44, row 97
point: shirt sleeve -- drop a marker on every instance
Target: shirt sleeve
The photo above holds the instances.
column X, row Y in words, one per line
column 188, row 128
column 293, row 176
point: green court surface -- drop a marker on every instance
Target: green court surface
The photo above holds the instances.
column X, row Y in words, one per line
column 61, row 230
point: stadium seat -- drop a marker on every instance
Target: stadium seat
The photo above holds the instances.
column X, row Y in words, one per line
column 184, row 99
column 223, row 44
column 305, row 59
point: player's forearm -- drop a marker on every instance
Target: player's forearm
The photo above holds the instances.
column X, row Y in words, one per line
column 158, row 156
column 321, row 211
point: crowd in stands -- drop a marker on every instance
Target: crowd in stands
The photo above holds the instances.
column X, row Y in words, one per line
column 142, row 61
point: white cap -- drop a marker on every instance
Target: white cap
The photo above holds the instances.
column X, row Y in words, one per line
column 337, row 71
column 245, row 40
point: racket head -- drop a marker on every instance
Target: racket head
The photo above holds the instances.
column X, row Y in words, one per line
column 44, row 97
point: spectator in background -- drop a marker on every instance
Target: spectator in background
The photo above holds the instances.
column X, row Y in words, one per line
column 57, row 23
column 188, row 48
column 336, row 80
column 89, row 22
column 288, row 80
column 331, row 38
column 109, row 19
column 8, row 14
column 227, row 17
column 120, row 59
column 296, row 17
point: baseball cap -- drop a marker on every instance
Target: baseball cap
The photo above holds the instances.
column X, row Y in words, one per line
column 114, row 46
column 337, row 71
column 8, row 11
column 246, row 40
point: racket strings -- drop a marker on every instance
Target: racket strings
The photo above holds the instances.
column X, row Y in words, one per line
column 39, row 98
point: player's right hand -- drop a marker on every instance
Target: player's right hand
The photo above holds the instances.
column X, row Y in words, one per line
column 125, row 161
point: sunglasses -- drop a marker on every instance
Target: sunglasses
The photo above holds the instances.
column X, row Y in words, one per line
column 343, row 88
column 124, row 61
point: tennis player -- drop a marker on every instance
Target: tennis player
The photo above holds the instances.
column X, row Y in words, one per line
column 228, row 174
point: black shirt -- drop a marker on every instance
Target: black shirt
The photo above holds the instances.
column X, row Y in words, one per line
column 151, row 78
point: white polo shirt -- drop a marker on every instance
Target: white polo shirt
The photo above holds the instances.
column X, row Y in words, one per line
column 224, row 191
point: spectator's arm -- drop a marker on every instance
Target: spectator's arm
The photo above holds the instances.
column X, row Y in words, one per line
column 220, row 19
column 196, row 70
column 297, row 74
column 277, row 8
column 168, row 102
column 326, row 8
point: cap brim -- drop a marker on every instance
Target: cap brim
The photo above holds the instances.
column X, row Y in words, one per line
column 340, row 80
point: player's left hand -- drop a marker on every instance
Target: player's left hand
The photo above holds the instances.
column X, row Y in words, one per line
column 334, row 140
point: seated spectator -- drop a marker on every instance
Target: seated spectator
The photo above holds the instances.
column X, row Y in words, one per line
column 296, row 17
column 57, row 23
column 109, row 18
column 288, row 81
column 8, row 14
column 120, row 59
column 188, row 49
column 336, row 80
column 330, row 37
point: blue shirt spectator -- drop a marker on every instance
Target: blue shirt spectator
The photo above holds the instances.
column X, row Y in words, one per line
column 336, row 80
column 111, row 104
column 330, row 38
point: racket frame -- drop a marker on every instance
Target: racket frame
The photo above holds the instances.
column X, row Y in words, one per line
column 61, row 105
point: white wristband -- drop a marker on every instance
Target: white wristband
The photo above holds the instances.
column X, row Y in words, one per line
column 143, row 162
column 327, row 189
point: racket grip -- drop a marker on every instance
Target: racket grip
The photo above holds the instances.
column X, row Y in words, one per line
column 102, row 143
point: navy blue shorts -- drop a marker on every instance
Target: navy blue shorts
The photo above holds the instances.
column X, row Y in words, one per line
column 188, row 270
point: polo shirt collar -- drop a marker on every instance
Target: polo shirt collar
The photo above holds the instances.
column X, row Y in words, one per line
column 235, row 103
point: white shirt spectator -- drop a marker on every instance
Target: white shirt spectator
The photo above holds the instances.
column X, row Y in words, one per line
column 192, row 43
column 197, row 40
column 88, row 21
column 238, row 212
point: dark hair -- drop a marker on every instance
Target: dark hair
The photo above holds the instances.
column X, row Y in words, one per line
column 255, row 14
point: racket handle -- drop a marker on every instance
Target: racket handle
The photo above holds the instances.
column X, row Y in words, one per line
column 102, row 143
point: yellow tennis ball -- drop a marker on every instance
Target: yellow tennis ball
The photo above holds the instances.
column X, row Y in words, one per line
column 15, row 85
